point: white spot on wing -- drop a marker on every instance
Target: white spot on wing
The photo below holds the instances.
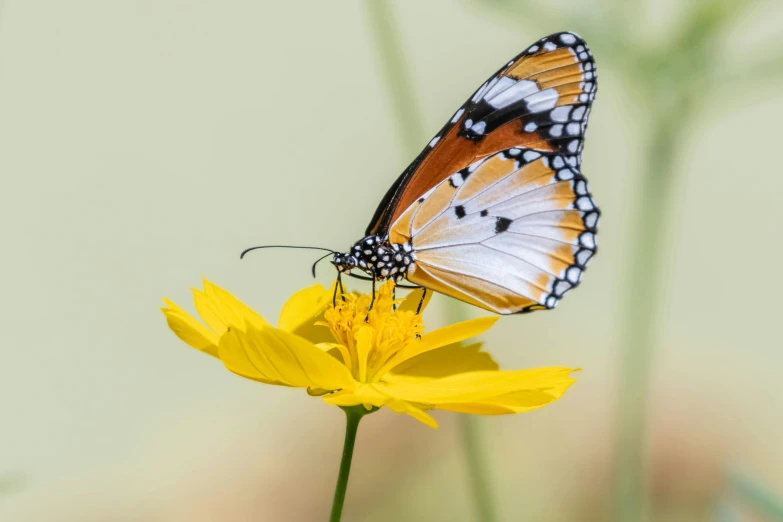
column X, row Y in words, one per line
column 521, row 89
column 457, row 115
column 565, row 174
column 587, row 239
column 583, row 256
column 560, row 114
column 531, row 127
column 542, row 100
column 556, row 130
column 573, row 129
column 578, row 113
column 434, row 141
column 549, row 46
column 500, row 86
column 567, row 38
column 479, row 127
column 531, row 155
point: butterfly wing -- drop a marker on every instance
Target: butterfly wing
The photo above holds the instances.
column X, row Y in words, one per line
column 540, row 101
column 510, row 233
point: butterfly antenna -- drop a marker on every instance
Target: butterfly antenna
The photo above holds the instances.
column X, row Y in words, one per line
column 319, row 260
column 242, row 255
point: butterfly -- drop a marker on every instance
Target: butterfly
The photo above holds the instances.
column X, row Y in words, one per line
column 495, row 211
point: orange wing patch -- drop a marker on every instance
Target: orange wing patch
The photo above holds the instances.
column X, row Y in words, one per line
column 488, row 173
column 542, row 61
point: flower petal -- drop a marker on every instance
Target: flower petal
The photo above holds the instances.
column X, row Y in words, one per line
column 516, row 402
column 187, row 328
column 367, row 394
column 442, row 362
column 275, row 356
column 441, row 337
column 303, row 310
column 206, row 310
column 409, row 409
column 481, row 387
column 230, row 310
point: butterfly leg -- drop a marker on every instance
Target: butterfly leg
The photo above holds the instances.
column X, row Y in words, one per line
column 421, row 303
column 372, row 302
column 394, row 298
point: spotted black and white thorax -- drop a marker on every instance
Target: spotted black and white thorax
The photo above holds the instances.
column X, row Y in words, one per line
column 378, row 258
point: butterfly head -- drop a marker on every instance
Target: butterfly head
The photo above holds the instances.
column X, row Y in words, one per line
column 345, row 262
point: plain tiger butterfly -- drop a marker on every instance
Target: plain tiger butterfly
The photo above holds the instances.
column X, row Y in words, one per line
column 495, row 210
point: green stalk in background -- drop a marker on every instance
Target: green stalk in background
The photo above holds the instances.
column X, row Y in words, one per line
column 384, row 29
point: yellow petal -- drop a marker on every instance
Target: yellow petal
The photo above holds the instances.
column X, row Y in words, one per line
column 484, row 386
column 441, row 337
column 412, row 300
column 189, row 329
column 409, row 409
column 442, row 362
column 516, row 402
column 206, row 310
column 272, row 355
column 231, row 311
column 303, row 310
column 367, row 394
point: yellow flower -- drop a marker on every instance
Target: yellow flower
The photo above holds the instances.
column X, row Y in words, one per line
column 350, row 356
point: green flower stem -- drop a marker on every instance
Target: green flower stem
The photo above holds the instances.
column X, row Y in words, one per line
column 353, row 415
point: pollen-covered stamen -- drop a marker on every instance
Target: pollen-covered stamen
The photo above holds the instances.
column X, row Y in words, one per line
column 371, row 339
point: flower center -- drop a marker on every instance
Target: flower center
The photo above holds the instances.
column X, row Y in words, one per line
column 370, row 338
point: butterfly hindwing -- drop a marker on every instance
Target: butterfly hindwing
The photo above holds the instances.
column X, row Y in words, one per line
column 510, row 233
column 539, row 101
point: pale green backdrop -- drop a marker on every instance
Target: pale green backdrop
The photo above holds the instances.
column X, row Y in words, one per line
column 144, row 144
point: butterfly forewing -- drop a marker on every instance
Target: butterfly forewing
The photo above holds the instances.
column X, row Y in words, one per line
column 539, row 101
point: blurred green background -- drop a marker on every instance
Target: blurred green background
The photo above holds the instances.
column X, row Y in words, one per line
column 145, row 143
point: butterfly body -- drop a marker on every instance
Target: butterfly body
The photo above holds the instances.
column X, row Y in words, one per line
column 495, row 210
column 377, row 257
